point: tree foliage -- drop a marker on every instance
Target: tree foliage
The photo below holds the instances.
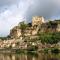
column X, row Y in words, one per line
column 50, row 38
column 23, row 25
column 3, row 38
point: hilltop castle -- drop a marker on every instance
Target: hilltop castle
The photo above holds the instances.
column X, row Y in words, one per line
column 38, row 25
column 19, row 38
column 36, row 21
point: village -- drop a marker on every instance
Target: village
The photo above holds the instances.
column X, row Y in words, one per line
column 23, row 37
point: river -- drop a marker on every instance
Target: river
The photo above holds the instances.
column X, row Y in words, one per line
column 30, row 56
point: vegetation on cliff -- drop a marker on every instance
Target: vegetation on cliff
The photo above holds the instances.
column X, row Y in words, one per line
column 50, row 37
column 23, row 26
column 35, row 36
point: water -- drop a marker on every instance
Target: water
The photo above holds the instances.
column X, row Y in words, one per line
column 30, row 56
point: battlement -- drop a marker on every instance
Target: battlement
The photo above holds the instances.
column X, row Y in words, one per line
column 37, row 20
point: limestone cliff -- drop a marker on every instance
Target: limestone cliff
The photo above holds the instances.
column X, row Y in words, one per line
column 38, row 25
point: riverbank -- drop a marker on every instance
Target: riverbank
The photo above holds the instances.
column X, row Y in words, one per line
column 45, row 50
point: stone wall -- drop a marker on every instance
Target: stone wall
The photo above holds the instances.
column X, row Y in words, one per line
column 37, row 20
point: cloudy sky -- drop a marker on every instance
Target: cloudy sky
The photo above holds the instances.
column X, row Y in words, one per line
column 14, row 11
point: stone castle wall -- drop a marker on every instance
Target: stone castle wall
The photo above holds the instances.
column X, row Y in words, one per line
column 37, row 20
column 38, row 24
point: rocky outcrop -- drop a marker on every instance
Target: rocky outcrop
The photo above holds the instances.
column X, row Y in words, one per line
column 30, row 34
column 30, row 30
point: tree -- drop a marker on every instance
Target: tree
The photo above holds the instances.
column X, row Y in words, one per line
column 23, row 26
column 50, row 38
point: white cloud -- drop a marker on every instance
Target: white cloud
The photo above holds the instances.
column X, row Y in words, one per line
column 12, row 16
column 14, row 11
column 45, row 8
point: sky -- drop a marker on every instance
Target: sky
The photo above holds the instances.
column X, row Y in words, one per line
column 14, row 11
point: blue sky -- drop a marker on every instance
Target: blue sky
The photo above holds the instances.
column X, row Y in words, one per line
column 14, row 11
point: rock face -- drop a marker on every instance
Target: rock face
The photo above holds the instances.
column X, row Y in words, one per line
column 38, row 25
column 15, row 32
column 58, row 27
column 32, row 30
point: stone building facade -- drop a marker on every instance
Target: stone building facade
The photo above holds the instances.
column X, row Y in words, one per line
column 37, row 20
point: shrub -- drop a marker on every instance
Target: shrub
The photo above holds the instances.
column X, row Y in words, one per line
column 55, row 50
column 50, row 37
column 46, row 50
column 33, row 48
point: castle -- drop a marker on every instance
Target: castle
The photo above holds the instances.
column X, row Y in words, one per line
column 38, row 25
column 36, row 21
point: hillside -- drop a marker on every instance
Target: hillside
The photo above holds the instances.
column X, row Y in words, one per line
column 36, row 35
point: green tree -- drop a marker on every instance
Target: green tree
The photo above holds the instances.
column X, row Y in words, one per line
column 23, row 26
column 50, row 38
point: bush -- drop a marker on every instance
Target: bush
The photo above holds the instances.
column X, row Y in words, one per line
column 46, row 50
column 18, row 51
column 55, row 50
column 33, row 48
column 50, row 37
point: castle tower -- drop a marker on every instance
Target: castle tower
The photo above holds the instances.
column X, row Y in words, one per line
column 37, row 20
